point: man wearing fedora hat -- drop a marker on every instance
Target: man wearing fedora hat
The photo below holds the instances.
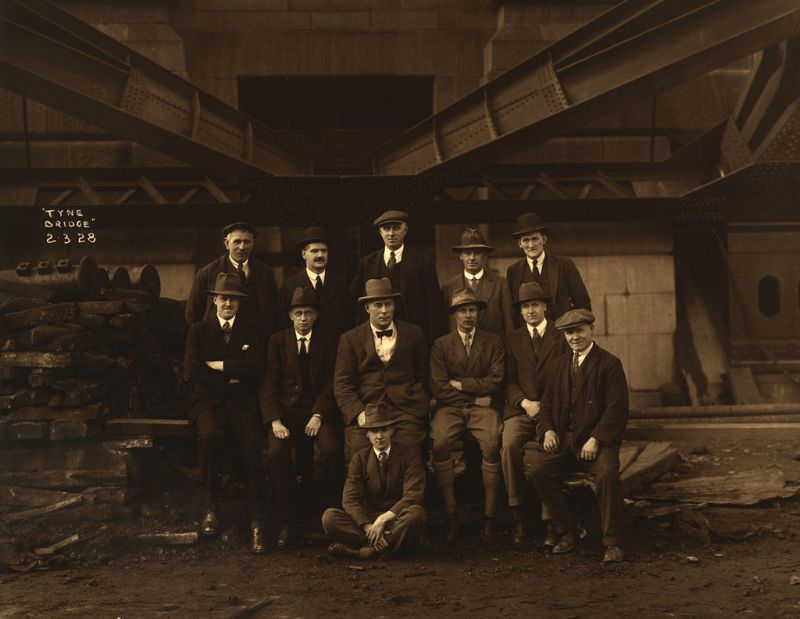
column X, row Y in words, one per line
column 330, row 289
column 557, row 275
column 493, row 290
column 296, row 399
column 382, row 360
column 224, row 361
column 382, row 497
column 530, row 351
column 411, row 272
column 258, row 280
column 467, row 368
column 583, row 415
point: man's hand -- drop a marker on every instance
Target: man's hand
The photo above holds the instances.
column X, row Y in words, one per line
column 374, row 532
column 550, row 442
column 589, row 449
column 362, row 418
column 313, row 425
column 215, row 365
column 531, row 407
column 484, row 400
column 456, row 385
column 279, row 430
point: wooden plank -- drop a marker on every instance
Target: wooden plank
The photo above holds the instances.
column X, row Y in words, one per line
column 25, row 397
column 51, row 457
column 709, row 431
column 743, row 384
column 170, row 539
column 654, row 460
column 51, row 550
column 46, row 413
column 111, row 308
column 627, row 454
column 138, row 426
column 743, row 488
column 66, row 479
column 36, row 359
column 51, row 314
column 37, row 512
column 20, row 497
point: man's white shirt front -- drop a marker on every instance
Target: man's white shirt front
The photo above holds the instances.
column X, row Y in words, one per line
column 245, row 265
column 384, row 346
column 398, row 254
column 539, row 262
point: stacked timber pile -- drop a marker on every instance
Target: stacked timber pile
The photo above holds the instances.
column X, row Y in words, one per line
column 79, row 347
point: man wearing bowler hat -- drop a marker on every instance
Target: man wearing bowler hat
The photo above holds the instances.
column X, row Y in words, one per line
column 382, row 497
column 258, row 280
column 382, row 360
column 557, row 275
column 583, row 415
column 224, row 361
column 330, row 289
column 411, row 272
column 493, row 290
column 466, row 369
column 530, row 351
column 296, row 399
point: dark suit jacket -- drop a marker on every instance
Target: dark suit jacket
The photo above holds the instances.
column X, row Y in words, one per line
column 199, row 305
column 365, row 497
column 601, row 407
column 415, row 277
column 280, row 392
column 495, row 292
column 564, row 283
column 243, row 358
column 481, row 374
column 335, row 316
column 526, row 372
column 361, row 377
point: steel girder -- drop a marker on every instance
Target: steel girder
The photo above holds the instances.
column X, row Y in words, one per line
column 54, row 58
column 636, row 49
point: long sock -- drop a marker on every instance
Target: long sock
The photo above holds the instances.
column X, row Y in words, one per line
column 491, row 487
column 445, row 478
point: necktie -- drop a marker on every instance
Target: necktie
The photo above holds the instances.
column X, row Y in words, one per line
column 318, row 284
column 537, row 341
column 385, row 333
column 240, row 271
column 392, row 262
column 575, row 365
column 467, row 342
column 382, row 465
column 303, row 348
column 472, row 282
column 226, row 330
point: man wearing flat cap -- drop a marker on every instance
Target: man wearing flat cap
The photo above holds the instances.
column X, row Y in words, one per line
column 382, row 497
column 583, row 415
column 557, row 275
column 382, row 360
column 223, row 364
column 466, row 377
column 493, row 290
column 411, row 271
column 530, row 351
column 258, row 280
column 330, row 289
column 296, row 399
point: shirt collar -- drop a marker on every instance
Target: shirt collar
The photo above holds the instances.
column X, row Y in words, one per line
column 539, row 262
column 582, row 355
column 386, row 451
column 541, row 327
column 297, row 336
column 236, row 264
column 398, row 253
column 462, row 334
column 478, row 275
column 312, row 277
column 375, row 329
column 222, row 321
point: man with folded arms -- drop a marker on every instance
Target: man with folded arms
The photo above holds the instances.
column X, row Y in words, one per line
column 382, row 498
column 583, row 415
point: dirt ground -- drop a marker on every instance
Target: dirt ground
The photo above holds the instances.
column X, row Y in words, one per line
column 742, row 565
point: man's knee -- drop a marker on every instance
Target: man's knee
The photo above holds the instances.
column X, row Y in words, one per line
column 329, row 516
column 606, row 470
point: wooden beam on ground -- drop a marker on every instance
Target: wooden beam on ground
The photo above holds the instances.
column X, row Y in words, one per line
column 654, row 460
column 698, row 431
column 148, row 426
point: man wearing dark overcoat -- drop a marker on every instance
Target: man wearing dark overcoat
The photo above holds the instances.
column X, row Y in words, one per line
column 557, row 275
column 330, row 289
column 530, row 351
column 384, row 360
column 258, row 280
column 493, row 290
column 583, row 415
column 466, row 377
column 382, row 497
column 224, row 362
column 296, row 399
column 411, row 271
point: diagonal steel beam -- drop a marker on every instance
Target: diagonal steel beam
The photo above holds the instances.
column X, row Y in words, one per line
column 51, row 56
column 540, row 99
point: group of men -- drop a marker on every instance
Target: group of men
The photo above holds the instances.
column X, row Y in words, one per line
column 518, row 370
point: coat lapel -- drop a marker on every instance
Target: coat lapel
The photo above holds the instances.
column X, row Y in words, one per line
column 292, row 356
column 552, row 276
column 476, row 351
column 587, row 368
column 548, row 341
column 486, row 289
column 367, row 339
column 522, row 340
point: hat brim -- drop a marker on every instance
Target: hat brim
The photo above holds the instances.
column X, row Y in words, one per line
column 460, row 248
column 481, row 305
column 293, row 305
column 574, row 324
column 518, row 233
column 393, row 295
column 301, row 245
column 380, row 424
column 541, row 299
column 378, row 224
column 228, row 293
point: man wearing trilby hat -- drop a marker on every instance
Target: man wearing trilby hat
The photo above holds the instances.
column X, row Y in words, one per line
column 224, row 362
column 493, row 290
column 530, row 351
column 467, row 368
column 382, row 497
column 583, row 415
column 330, row 289
column 382, row 360
column 296, row 399
column 557, row 275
